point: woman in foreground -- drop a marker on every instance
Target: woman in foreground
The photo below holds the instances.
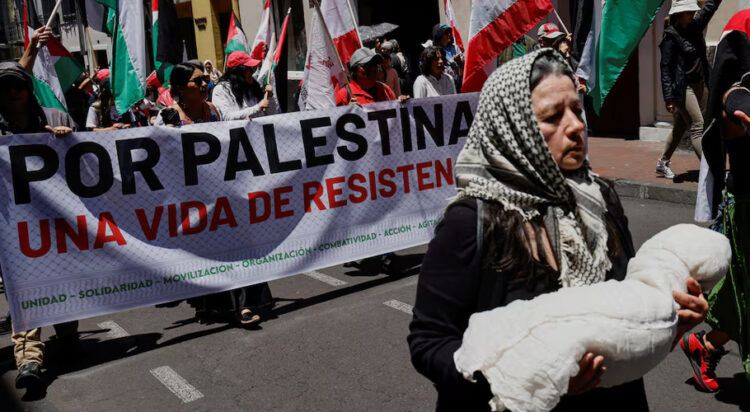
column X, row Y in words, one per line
column 530, row 218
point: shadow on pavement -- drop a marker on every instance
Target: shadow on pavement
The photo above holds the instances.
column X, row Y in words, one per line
column 689, row 176
column 735, row 391
column 374, row 266
column 92, row 351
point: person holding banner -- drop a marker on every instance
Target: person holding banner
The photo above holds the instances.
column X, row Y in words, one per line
column 238, row 95
column 190, row 88
column 21, row 113
column 516, row 231
column 365, row 88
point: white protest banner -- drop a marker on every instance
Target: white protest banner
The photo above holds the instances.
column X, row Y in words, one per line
column 101, row 222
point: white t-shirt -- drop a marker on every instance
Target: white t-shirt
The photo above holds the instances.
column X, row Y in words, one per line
column 429, row 86
column 92, row 120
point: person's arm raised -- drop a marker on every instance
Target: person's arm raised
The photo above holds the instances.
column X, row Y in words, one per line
column 39, row 39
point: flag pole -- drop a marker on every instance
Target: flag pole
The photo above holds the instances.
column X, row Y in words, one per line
column 328, row 33
column 356, row 26
column 51, row 18
column 565, row 29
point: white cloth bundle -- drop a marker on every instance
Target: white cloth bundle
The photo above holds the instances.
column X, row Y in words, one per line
column 528, row 350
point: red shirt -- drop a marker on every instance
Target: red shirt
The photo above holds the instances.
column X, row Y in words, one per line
column 383, row 93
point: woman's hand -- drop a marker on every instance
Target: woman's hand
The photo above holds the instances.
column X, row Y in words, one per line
column 670, row 107
column 403, row 98
column 269, row 91
column 263, row 104
column 693, row 308
column 40, row 37
column 591, row 369
column 59, row 131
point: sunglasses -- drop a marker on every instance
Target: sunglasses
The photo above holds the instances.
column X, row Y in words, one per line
column 199, row 81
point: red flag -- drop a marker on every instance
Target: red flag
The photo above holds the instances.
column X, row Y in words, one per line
column 451, row 17
column 282, row 37
column 495, row 25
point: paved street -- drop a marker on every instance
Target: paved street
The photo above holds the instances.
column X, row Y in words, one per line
column 336, row 341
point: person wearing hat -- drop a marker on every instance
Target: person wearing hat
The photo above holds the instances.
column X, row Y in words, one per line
column 549, row 35
column 21, row 113
column 364, row 88
column 238, row 95
column 684, row 75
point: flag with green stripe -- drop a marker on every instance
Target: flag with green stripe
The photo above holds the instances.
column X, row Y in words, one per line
column 623, row 24
column 128, row 76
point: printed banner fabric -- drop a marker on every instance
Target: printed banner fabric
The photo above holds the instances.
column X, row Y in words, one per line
column 101, row 222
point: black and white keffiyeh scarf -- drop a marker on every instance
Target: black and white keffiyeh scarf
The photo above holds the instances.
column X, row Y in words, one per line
column 506, row 160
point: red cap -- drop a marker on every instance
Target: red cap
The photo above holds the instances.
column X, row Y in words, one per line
column 102, row 74
column 240, row 58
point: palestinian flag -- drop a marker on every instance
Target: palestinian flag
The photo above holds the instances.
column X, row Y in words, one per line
column 236, row 39
column 263, row 37
column 55, row 69
column 272, row 58
column 166, row 41
column 128, row 72
column 623, row 24
column 731, row 62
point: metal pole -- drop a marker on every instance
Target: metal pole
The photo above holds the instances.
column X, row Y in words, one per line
column 356, row 26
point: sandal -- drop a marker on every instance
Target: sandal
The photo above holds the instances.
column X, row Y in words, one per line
column 247, row 317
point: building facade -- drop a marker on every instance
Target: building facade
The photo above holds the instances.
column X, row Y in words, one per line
column 635, row 105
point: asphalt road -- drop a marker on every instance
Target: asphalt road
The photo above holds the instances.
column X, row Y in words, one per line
column 334, row 342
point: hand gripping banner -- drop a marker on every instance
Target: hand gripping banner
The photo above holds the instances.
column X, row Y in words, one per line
column 100, row 222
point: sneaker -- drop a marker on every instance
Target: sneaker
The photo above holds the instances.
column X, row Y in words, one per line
column 702, row 360
column 662, row 168
column 29, row 376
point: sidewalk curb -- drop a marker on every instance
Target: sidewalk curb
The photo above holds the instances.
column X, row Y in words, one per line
column 656, row 191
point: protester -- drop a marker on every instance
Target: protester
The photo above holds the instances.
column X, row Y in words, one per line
column 519, row 48
column 102, row 114
column 522, row 182
column 399, row 63
column 390, row 75
column 189, row 88
column 442, row 38
column 684, row 75
column 433, row 81
column 364, row 88
column 79, row 97
column 726, row 136
column 21, row 113
column 549, row 35
column 211, row 71
column 238, row 95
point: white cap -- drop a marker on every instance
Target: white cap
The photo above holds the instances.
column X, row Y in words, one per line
column 679, row 6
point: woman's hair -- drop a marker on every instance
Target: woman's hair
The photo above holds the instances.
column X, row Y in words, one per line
column 181, row 74
column 428, row 56
column 236, row 78
column 506, row 246
column 547, row 65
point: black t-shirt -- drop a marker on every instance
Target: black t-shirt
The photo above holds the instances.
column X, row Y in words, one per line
column 451, row 288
